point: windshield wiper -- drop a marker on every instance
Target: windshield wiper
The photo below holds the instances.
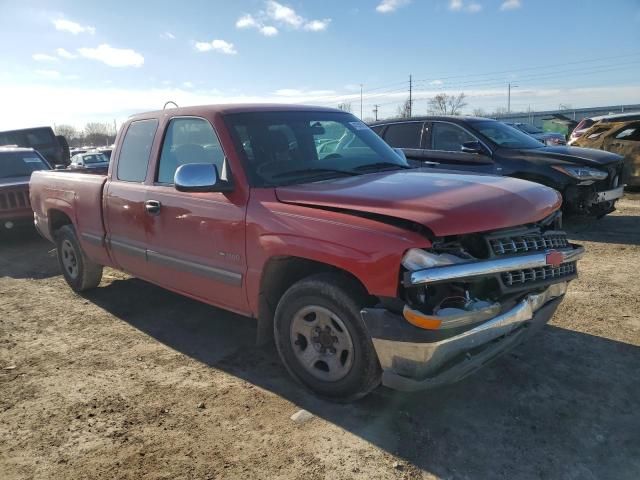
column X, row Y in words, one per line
column 314, row 172
column 380, row 166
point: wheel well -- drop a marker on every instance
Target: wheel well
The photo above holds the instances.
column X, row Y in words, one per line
column 278, row 275
column 57, row 220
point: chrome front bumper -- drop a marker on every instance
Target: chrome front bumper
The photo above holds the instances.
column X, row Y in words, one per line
column 409, row 365
column 483, row 268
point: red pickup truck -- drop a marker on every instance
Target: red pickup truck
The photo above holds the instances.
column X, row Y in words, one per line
column 363, row 270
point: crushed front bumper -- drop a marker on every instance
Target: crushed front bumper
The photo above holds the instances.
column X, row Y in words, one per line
column 416, row 359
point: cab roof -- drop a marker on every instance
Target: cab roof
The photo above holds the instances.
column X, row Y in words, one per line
column 201, row 110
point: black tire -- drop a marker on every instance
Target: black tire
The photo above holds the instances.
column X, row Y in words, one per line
column 344, row 299
column 79, row 271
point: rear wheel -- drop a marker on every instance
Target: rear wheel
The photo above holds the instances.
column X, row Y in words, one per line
column 79, row 271
column 322, row 339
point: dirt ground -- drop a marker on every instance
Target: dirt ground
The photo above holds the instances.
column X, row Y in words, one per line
column 130, row 381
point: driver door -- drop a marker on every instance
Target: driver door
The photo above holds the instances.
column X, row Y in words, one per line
column 443, row 144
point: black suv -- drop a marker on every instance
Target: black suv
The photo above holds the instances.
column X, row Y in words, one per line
column 588, row 179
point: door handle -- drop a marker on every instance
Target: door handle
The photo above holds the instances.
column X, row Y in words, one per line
column 152, row 207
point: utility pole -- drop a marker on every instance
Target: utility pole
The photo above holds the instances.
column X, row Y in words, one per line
column 361, row 101
column 410, row 96
column 509, row 97
column 375, row 111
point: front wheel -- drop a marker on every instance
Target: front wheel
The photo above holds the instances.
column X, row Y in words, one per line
column 79, row 271
column 322, row 340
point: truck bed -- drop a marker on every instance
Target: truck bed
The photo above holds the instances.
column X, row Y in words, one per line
column 58, row 195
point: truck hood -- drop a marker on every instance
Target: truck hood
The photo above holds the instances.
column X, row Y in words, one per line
column 563, row 154
column 13, row 182
column 445, row 203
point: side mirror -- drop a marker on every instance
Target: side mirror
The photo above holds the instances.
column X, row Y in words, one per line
column 199, row 177
column 472, row 147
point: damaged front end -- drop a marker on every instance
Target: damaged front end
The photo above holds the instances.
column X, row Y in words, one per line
column 468, row 300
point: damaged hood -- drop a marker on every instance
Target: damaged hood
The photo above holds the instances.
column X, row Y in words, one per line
column 445, row 203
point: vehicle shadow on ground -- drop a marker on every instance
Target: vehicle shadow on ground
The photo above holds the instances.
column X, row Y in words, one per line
column 25, row 254
column 545, row 394
column 622, row 229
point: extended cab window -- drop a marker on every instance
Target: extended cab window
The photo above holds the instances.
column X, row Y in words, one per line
column 136, row 148
column 189, row 140
column 404, row 135
column 448, row 137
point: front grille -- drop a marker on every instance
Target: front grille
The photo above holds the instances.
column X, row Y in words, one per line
column 528, row 242
column 14, row 200
column 540, row 274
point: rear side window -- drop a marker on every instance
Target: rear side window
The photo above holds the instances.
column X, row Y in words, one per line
column 404, row 135
column 136, row 147
column 189, row 140
column 378, row 129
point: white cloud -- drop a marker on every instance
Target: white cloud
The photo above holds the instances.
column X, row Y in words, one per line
column 187, row 84
column 43, row 57
column 510, row 4
column 218, row 45
column 268, row 30
column 168, row 36
column 317, row 25
column 72, row 27
column 388, row 6
column 284, row 14
column 249, row 21
column 436, row 82
column 65, row 53
column 114, row 57
column 462, row 6
column 281, row 15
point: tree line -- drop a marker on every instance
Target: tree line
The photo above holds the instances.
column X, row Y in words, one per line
column 94, row 134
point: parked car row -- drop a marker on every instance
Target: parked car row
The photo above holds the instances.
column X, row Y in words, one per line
column 362, row 269
column 589, row 180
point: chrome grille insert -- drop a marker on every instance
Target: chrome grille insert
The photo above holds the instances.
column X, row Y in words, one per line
column 530, row 275
column 528, row 242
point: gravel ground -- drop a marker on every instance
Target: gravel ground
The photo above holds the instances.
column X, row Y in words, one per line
column 131, row 381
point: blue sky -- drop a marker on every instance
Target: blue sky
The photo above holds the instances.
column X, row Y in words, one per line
column 72, row 62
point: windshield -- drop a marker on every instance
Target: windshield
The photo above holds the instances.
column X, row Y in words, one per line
column 282, row 148
column 92, row 158
column 504, row 135
column 532, row 129
column 20, row 164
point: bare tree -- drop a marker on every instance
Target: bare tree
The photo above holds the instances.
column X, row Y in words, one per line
column 404, row 110
column 346, row 107
column 444, row 104
column 479, row 112
column 68, row 131
column 96, row 133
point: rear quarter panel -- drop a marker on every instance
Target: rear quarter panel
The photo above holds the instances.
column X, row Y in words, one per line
column 79, row 197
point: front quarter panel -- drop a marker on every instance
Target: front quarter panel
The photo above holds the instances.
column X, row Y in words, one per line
column 368, row 249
